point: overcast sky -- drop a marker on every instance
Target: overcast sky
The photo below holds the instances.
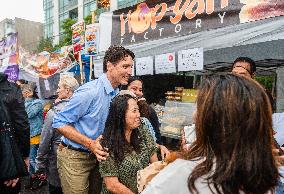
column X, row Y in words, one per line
column 25, row 9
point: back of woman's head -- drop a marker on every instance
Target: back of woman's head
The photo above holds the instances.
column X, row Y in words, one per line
column 114, row 132
column 144, row 108
column 234, row 135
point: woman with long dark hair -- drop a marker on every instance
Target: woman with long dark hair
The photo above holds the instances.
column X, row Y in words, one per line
column 234, row 141
column 130, row 146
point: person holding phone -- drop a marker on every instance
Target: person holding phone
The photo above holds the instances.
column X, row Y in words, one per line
column 234, row 143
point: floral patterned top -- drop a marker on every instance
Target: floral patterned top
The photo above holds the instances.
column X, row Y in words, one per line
column 127, row 170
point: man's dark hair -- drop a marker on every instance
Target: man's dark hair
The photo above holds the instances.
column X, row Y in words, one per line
column 247, row 60
column 114, row 54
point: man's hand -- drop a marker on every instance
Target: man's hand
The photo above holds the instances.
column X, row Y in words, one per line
column 98, row 150
column 11, row 183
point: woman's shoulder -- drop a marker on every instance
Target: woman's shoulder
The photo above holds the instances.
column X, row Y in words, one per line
column 36, row 101
column 173, row 176
column 179, row 165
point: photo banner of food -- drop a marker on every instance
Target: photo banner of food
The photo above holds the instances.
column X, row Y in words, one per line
column 91, row 39
column 8, row 46
column 9, row 56
column 78, row 37
column 254, row 10
column 45, row 64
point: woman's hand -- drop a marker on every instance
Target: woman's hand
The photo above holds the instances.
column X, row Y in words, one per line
column 11, row 183
column 279, row 158
column 164, row 151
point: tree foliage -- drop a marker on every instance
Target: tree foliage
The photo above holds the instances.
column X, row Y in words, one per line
column 67, row 31
column 45, row 44
column 88, row 20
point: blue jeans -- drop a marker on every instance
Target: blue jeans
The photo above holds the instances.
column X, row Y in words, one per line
column 280, row 188
column 32, row 157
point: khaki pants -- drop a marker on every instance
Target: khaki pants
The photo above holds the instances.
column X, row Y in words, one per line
column 78, row 171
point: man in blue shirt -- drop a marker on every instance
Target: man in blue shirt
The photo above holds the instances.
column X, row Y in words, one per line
column 82, row 122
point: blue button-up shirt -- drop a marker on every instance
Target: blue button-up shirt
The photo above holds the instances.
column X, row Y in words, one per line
column 87, row 110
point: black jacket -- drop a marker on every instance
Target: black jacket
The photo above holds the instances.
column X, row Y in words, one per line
column 13, row 100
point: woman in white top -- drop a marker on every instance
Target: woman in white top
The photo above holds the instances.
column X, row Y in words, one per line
column 233, row 148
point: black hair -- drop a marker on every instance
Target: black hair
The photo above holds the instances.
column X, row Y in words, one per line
column 247, row 60
column 114, row 132
column 114, row 54
column 22, row 81
column 130, row 80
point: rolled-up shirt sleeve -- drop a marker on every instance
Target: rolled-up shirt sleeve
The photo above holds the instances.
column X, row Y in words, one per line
column 76, row 108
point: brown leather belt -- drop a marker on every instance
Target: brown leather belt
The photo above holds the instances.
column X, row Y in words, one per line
column 73, row 148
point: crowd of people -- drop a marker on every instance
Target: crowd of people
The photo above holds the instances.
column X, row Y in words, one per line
column 96, row 138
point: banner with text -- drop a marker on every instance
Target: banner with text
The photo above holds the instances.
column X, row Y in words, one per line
column 157, row 19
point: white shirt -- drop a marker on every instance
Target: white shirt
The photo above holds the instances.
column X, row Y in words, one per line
column 278, row 126
column 173, row 179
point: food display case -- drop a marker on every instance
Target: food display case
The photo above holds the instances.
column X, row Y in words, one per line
column 176, row 115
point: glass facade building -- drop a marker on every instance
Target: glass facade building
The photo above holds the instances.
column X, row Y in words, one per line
column 89, row 6
column 48, row 18
column 127, row 3
column 56, row 11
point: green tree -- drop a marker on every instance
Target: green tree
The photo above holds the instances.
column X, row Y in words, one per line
column 45, row 44
column 88, row 20
column 67, row 31
column 266, row 81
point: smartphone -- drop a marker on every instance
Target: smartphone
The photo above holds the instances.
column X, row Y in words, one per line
column 189, row 134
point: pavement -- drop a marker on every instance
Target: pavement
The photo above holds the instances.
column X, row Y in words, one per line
column 42, row 190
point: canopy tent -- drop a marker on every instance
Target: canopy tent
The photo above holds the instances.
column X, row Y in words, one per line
column 262, row 40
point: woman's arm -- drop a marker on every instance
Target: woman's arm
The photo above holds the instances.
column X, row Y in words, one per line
column 34, row 109
column 114, row 186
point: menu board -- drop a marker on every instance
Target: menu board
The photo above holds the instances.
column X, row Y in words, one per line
column 190, row 60
column 91, row 39
column 144, row 66
column 78, row 36
column 165, row 63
